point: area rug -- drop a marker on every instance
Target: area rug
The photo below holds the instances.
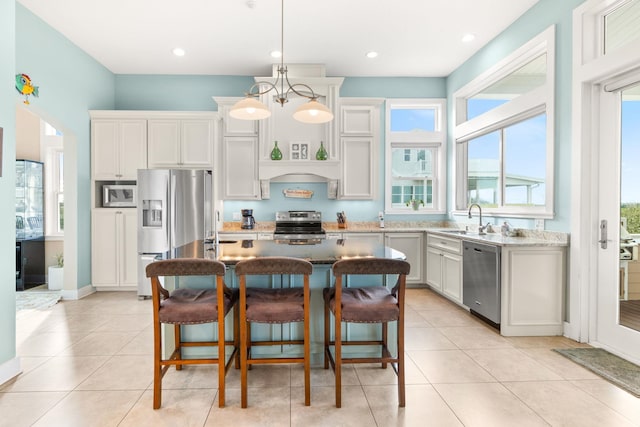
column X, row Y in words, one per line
column 36, row 300
column 620, row 372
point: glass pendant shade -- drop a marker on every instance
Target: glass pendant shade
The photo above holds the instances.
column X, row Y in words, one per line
column 313, row 112
column 249, row 108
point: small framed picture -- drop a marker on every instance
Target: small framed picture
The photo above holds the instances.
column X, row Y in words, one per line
column 299, row 151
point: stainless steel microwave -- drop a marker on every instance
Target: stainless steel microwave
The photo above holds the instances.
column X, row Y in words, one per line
column 119, row 196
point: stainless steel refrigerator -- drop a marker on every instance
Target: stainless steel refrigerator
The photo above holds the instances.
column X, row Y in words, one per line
column 174, row 216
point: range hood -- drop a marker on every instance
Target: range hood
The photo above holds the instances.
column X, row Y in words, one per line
column 299, row 171
column 282, row 127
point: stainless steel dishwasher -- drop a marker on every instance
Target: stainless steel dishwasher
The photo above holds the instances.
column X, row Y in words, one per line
column 481, row 280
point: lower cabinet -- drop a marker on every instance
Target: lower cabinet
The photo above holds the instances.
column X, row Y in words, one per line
column 444, row 266
column 411, row 245
column 532, row 290
column 114, row 243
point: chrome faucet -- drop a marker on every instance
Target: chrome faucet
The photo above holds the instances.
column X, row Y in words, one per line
column 480, row 226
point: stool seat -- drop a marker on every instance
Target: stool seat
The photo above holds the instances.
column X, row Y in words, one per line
column 275, row 305
column 194, row 306
column 372, row 304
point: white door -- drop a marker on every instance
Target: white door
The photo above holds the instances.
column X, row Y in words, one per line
column 619, row 156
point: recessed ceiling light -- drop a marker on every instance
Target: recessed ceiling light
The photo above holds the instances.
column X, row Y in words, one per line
column 276, row 54
column 372, row 54
column 178, row 51
column 468, row 38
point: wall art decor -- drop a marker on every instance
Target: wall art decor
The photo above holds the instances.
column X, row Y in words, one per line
column 299, row 151
column 25, row 87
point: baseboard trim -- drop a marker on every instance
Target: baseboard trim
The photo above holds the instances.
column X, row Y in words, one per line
column 78, row 293
column 9, row 370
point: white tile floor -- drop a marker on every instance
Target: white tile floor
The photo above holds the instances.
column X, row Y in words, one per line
column 88, row 363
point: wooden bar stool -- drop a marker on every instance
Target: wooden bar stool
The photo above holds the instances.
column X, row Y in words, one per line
column 273, row 305
column 370, row 304
column 186, row 306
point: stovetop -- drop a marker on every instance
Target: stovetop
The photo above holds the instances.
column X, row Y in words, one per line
column 298, row 225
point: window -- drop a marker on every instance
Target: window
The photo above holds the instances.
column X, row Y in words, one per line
column 618, row 30
column 507, row 167
column 415, row 141
column 53, row 154
column 504, row 135
column 523, row 80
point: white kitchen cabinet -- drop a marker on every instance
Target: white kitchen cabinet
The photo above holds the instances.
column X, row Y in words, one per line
column 118, row 149
column 180, row 143
column 358, row 120
column 114, row 252
column 532, row 292
column 359, row 148
column 240, row 168
column 411, row 245
column 359, row 176
column 444, row 266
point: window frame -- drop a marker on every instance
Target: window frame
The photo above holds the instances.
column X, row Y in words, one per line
column 525, row 106
column 429, row 140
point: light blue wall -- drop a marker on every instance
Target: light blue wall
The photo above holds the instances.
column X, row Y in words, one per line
column 544, row 14
column 179, row 93
column 7, row 183
column 71, row 83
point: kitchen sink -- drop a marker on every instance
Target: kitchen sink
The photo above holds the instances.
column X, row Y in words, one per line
column 455, row 231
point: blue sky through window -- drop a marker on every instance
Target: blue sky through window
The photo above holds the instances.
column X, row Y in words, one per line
column 407, row 120
column 630, row 158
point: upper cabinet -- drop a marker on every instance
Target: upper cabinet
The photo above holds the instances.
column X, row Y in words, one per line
column 240, row 168
column 181, row 143
column 359, row 148
column 359, row 120
column 239, row 159
column 119, row 148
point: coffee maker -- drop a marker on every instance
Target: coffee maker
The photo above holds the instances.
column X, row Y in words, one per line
column 247, row 219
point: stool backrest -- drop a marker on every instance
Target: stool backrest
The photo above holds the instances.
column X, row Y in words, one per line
column 273, row 265
column 371, row 266
column 186, row 267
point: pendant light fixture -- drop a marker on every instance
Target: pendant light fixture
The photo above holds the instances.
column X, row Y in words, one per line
column 250, row 108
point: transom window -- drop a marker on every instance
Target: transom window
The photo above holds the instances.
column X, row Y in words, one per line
column 415, row 141
column 530, row 76
column 617, row 28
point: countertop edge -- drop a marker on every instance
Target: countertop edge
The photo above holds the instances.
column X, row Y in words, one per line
column 530, row 237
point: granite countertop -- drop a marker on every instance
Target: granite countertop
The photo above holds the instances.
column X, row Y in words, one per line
column 324, row 252
column 496, row 239
column 441, row 228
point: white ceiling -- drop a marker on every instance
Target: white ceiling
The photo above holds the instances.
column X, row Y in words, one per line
column 420, row 38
